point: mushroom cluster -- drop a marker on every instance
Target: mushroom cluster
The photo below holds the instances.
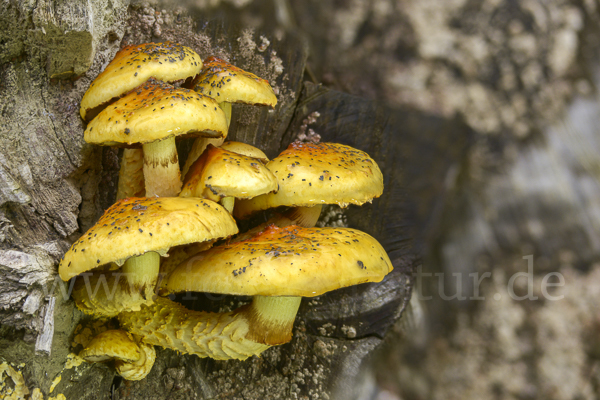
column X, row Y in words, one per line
column 164, row 226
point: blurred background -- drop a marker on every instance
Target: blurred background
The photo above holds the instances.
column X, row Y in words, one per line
column 507, row 295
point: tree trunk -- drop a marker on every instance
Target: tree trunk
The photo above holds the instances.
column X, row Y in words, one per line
column 54, row 186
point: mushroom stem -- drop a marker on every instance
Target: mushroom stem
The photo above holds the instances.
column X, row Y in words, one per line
column 237, row 334
column 105, row 295
column 228, row 202
column 161, row 168
column 131, row 174
column 226, row 107
column 142, row 273
column 272, row 318
column 305, row 217
column 197, row 149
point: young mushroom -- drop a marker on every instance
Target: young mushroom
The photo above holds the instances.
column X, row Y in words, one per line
column 313, row 174
column 134, row 233
column 133, row 361
column 228, row 84
column 277, row 267
column 245, row 149
column 153, row 115
column 222, row 175
column 132, row 66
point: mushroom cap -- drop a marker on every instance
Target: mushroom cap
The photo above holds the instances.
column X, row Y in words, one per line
column 289, row 261
column 134, row 64
column 221, row 173
column 134, row 226
column 111, row 344
column 153, row 111
column 245, row 149
column 318, row 173
column 227, row 83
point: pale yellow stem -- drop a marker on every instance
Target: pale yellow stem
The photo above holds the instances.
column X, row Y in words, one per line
column 228, row 203
column 226, row 107
column 161, row 168
column 142, row 273
column 131, row 174
column 106, row 294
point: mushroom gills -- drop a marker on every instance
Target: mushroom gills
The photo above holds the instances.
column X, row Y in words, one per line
column 305, row 217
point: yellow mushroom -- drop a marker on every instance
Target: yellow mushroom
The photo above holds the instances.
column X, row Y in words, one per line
column 132, row 66
column 277, row 267
column 134, row 233
column 223, row 175
column 152, row 115
column 228, row 84
column 313, row 174
column 133, row 361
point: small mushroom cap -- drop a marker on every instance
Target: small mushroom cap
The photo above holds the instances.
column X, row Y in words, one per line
column 111, row 344
column 227, row 83
column 133, row 65
column 221, row 173
column 154, row 111
column 134, row 226
column 318, row 173
column 289, row 261
column 245, row 149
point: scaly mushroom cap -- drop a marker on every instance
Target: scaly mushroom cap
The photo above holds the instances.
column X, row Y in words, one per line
column 245, row 149
column 318, row 173
column 133, row 65
column 154, row 111
column 134, row 226
column 227, row 83
column 290, row 261
column 111, row 344
column 221, row 173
